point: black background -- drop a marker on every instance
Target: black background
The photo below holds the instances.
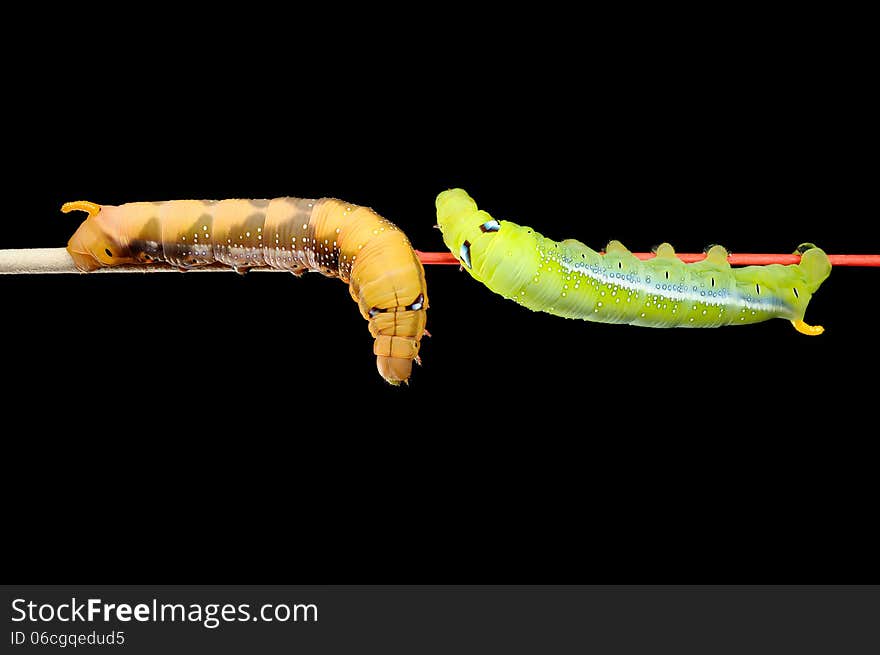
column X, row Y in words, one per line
column 217, row 428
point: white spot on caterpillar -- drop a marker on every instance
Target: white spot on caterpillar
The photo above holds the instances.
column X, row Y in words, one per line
column 247, row 233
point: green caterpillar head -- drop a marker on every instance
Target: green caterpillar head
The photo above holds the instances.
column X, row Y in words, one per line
column 462, row 223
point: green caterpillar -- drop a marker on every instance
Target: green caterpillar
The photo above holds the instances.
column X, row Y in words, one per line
column 571, row 280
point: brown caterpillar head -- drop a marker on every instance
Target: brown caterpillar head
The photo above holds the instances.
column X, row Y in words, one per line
column 398, row 332
column 394, row 369
column 93, row 245
column 394, row 357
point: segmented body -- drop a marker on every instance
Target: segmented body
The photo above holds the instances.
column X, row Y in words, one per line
column 571, row 280
column 326, row 235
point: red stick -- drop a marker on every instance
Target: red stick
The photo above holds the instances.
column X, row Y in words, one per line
column 736, row 259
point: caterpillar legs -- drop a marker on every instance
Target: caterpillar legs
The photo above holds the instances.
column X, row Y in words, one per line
column 809, row 330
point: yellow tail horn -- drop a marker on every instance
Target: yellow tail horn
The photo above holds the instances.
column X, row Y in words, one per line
column 81, row 205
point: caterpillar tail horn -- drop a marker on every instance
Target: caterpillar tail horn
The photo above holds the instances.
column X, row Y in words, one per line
column 809, row 330
column 81, row 205
column 85, row 241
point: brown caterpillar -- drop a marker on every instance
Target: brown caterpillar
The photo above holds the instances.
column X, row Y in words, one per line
column 329, row 236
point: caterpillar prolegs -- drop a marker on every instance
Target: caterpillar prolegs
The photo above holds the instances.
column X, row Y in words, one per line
column 571, row 280
column 326, row 235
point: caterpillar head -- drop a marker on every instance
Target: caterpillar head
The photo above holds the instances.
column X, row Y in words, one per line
column 394, row 357
column 398, row 336
column 462, row 223
column 93, row 244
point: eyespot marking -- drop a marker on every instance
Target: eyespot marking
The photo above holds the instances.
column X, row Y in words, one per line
column 417, row 304
column 490, row 226
column 465, row 253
